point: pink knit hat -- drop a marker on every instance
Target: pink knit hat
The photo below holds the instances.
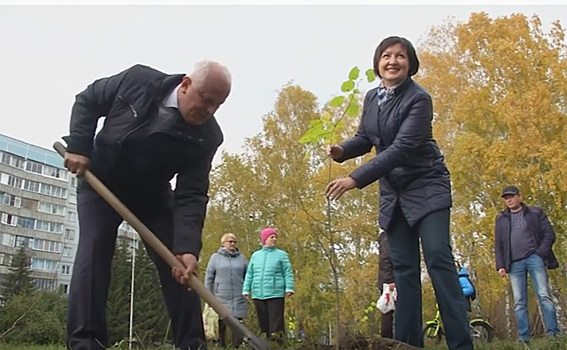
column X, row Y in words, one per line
column 267, row 232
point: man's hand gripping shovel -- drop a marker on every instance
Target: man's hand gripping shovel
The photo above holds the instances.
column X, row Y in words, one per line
column 193, row 282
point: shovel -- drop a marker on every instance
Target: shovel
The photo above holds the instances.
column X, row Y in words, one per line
column 194, row 283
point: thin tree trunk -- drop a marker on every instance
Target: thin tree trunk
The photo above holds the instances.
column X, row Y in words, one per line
column 508, row 316
column 559, row 302
column 333, row 260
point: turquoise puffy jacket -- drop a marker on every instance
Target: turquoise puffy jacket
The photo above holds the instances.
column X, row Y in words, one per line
column 269, row 274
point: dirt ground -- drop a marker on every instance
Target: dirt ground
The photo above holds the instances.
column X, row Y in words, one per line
column 363, row 344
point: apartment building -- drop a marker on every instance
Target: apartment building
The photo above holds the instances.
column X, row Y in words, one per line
column 38, row 211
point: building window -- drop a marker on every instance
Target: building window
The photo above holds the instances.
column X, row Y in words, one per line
column 45, row 284
column 71, row 216
column 26, row 222
column 23, row 241
column 54, row 191
column 12, row 160
column 51, row 208
column 32, row 186
column 54, row 172
column 9, row 219
column 67, row 252
column 69, row 234
column 65, row 269
column 10, row 199
column 48, row 226
column 7, row 239
column 43, row 264
column 46, row 245
column 34, row 167
column 45, row 169
column 5, row 259
column 5, row 158
column 11, row 180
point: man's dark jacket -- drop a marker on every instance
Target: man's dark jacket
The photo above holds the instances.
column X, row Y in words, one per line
column 540, row 228
column 132, row 154
column 408, row 162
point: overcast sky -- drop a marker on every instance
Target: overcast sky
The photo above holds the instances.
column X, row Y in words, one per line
column 50, row 53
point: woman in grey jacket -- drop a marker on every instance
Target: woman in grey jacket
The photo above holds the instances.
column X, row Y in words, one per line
column 224, row 278
column 415, row 191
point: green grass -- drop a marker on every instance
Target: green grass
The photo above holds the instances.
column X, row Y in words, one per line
column 30, row 347
column 559, row 343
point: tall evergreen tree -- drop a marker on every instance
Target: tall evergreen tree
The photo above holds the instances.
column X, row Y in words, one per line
column 150, row 319
column 150, row 315
column 18, row 281
column 118, row 305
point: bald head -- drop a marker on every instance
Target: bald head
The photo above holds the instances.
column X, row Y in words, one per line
column 203, row 91
column 208, row 70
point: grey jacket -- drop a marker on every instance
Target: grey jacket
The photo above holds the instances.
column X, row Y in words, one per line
column 224, row 278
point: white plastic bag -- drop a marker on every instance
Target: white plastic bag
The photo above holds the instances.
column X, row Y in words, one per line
column 387, row 301
column 210, row 322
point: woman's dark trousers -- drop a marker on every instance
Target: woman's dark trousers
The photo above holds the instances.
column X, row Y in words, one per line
column 271, row 317
column 433, row 230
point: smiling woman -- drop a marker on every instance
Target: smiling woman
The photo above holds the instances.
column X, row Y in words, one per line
column 415, row 190
column 395, row 60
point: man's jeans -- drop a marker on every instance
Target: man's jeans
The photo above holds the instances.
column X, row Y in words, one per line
column 518, row 278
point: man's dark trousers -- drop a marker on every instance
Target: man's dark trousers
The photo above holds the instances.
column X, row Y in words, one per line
column 86, row 321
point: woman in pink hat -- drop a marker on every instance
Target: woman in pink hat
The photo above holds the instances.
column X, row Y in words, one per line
column 269, row 280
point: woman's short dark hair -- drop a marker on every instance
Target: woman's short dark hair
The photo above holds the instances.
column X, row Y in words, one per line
column 406, row 44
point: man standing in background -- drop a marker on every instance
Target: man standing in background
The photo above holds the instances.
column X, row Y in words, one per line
column 523, row 240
